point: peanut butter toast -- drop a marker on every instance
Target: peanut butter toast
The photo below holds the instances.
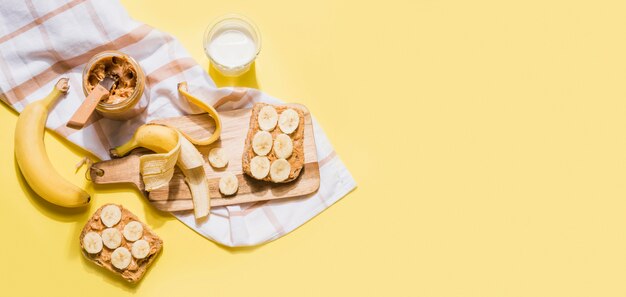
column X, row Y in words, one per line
column 115, row 239
column 274, row 147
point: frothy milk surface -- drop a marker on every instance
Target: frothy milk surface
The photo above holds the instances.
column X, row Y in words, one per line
column 232, row 48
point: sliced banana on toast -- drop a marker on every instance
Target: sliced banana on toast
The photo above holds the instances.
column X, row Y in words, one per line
column 92, row 243
column 262, row 143
column 110, row 215
column 120, row 258
column 266, row 144
column 279, row 171
column 140, row 249
column 268, row 117
column 289, row 121
column 283, row 146
column 133, row 231
column 126, row 246
column 112, row 238
column 260, row 167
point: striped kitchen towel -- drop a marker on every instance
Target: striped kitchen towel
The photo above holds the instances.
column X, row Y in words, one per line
column 40, row 41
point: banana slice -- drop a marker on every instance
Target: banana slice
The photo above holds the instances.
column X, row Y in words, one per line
column 140, row 249
column 133, row 231
column 110, row 215
column 217, row 158
column 262, row 143
column 260, row 167
column 280, row 170
column 267, row 118
column 92, row 243
column 283, row 146
column 112, row 238
column 288, row 121
column 120, row 258
column 229, row 184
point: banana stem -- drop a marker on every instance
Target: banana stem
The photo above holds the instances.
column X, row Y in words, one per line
column 59, row 89
column 123, row 149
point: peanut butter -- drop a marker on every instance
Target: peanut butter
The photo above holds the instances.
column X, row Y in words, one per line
column 119, row 68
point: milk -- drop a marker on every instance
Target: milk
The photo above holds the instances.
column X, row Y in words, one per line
column 232, row 48
column 232, row 43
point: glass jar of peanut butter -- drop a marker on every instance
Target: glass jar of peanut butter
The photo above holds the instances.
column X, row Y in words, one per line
column 126, row 98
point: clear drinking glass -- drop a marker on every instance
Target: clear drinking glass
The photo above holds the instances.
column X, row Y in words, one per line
column 232, row 42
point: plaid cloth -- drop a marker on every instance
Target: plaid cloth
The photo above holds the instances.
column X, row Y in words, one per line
column 40, row 41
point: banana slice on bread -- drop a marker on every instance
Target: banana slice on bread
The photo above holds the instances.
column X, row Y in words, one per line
column 115, row 239
column 283, row 146
column 274, row 148
column 268, row 117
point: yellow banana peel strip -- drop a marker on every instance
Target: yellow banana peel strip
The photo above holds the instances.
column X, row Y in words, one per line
column 183, row 89
column 157, row 169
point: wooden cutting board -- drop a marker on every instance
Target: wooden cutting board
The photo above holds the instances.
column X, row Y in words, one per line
column 235, row 125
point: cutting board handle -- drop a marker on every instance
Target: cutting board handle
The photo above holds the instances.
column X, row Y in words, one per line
column 117, row 171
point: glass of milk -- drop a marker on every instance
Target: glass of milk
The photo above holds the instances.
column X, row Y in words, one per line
column 232, row 42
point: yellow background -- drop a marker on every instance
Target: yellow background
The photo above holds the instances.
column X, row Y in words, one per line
column 488, row 139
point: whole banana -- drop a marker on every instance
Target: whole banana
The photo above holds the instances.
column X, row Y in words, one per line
column 31, row 156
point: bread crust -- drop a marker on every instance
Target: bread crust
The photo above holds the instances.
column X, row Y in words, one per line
column 137, row 267
column 296, row 160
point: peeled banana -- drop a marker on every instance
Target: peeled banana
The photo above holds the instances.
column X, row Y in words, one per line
column 175, row 147
column 171, row 148
column 192, row 165
column 31, row 156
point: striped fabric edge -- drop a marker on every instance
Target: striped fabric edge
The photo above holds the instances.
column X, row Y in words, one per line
column 24, row 89
column 39, row 20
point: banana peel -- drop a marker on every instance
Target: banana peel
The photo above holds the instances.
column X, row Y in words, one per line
column 157, row 169
column 183, row 90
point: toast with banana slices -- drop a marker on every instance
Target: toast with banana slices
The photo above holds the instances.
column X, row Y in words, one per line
column 274, row 147
column 115, row 239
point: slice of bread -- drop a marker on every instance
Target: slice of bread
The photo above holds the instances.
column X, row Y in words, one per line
column 296, row 160
column 137, row 267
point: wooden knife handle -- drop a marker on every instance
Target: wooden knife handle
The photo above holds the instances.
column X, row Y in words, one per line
column 85, row 110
